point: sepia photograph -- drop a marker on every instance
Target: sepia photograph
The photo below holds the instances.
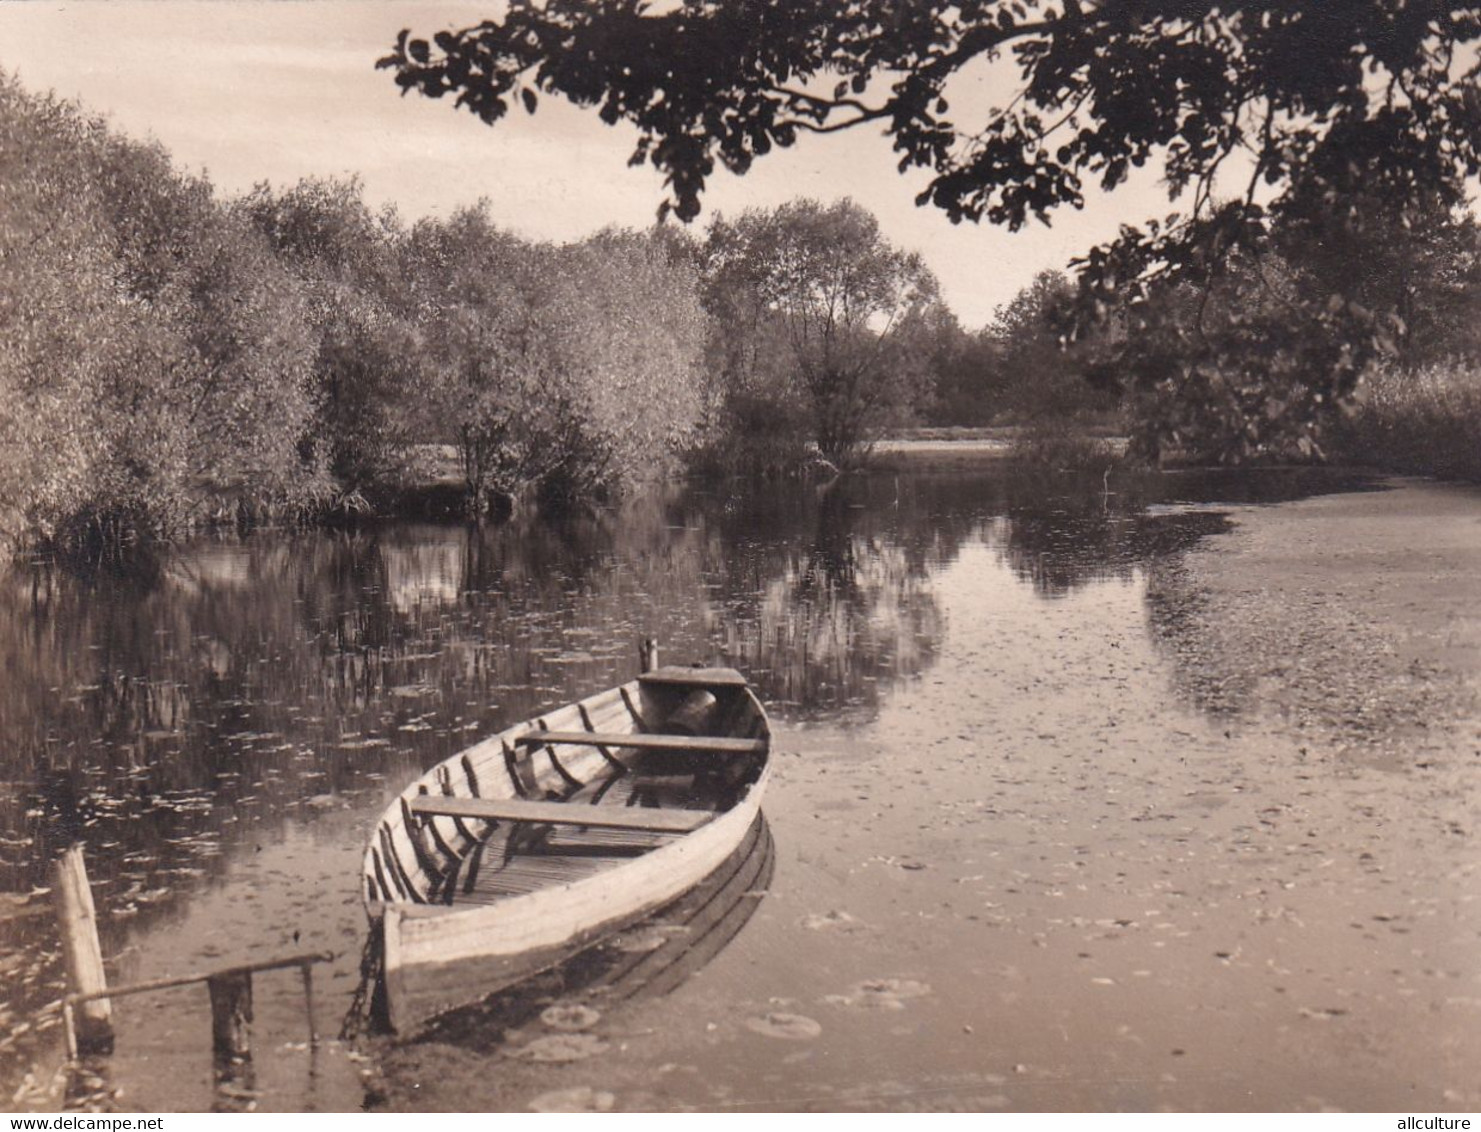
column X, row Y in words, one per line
column 740, row 556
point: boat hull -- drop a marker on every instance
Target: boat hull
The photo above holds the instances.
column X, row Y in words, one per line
column 439, row 955
column 437, row 962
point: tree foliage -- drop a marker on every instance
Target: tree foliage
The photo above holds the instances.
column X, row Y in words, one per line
column 482, row 356
column 629, row 335
column 168, row 358
column 1037, row 374
column 151, row 366
column 570, row 370
column 344, row 257
column 1420, row 262
column 821, row 308
column 1292, row 109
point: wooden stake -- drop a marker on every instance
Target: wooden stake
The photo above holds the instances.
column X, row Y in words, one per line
column 647, row 655
column 231, row 1014
column 391, row 974
column 307, row 972
column 78, row 920
column 69, row 1027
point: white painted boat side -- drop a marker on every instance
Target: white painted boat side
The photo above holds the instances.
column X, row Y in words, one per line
column 547, row 918
column 438, row 957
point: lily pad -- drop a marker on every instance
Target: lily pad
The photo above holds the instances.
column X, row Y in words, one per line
column 896, row 988
column 831, row 920
column 880, row 994
column 560, row 1048
column 570, row 1017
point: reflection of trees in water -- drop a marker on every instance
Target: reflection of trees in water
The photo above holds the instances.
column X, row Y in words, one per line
column 1223, row 659
column 289, row 666
column 1061, row 533
column 260, row 673
column 177, row 719
column 1074, row 545
column 829, row 616
column 1183, row 627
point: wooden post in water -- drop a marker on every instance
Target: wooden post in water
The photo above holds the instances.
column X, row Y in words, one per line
column 77, row 918
column 306, row 972
column 231, row 1014
column 647, row 655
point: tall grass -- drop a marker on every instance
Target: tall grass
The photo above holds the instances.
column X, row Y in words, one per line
column 1063, row 445
column 1425, row 422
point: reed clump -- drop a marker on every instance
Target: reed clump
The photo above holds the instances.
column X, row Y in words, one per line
column 1063, row 445
column 1419, row 422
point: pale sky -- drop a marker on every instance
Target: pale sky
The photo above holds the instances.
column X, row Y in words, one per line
column 277, row 90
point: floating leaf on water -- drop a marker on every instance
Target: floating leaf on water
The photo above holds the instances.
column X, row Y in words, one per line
column 900, row 988
column 581, row 1098
column 560, row 1048
column 880, row 994
column 1324, row 1012
column 570, row 1017
column 789, row 1027
column 830, row 920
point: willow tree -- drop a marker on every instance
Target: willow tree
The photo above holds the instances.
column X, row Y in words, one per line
column 628, row 335
column 1254, row 110
column 343, row 257
column 570, row 370
column 842, row 304
column 153, row 357
column 485, row 352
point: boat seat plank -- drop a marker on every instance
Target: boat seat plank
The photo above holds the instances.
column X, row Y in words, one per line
column 641, row 741
column 604, row 817
column 695, row 678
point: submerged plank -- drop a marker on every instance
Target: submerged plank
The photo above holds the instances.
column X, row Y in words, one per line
column 646, row 742
column 604, row 817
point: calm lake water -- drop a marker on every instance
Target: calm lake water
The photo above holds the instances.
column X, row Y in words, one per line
column 223, row 729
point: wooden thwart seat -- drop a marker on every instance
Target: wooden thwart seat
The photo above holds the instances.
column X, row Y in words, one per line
column 642, row 741
column 603, row 817
column 695, row 678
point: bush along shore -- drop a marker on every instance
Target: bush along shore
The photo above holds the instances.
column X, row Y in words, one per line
column 1424, row 423
column 170, row 358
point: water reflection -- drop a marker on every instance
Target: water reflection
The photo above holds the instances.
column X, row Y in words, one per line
column 181, row 720
column 821, row 619
column 647, row 960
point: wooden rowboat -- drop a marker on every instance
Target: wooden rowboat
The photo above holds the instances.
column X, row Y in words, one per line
column 547, row 837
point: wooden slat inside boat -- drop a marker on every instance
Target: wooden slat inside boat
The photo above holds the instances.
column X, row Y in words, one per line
column 552, row 834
